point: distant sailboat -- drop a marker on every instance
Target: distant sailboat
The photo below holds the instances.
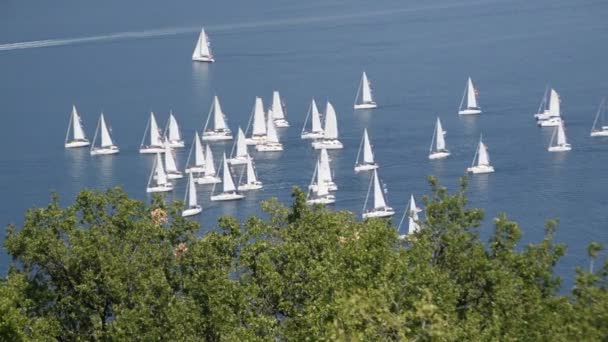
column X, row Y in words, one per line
column 468, row 104
column 318, row 192
column 330, row 137
column 278, row 111
column 380, row 208
column 316, row 130
column 107, row 146
column 158, row 182
column 364, row 98
column 251, row 181
column 438, row 149
column 549, row 105
column 229, row 191
column 196, row 157
column 481, row 160
column 325, row 172
column 600, row 129
column 172, row 134
column 191, row 200
column 202, row 50
column 367, row 162
column 551, row 117
column 170, row 165
column 219, row 129
column 155, row 144
column 258, row 132
column 559, row 142
column 411, row 212
column 77, row 138
column 239, row 150
column 209, row 176
column 272, row 143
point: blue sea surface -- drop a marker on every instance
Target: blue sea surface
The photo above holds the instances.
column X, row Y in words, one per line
column 129, row 58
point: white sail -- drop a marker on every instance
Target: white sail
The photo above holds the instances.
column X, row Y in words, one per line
column 471, row 97
column 483, row 157
column 77, row 125
column 561, row 135
column 209, row 166
column 106, row 139
column 366, row 91
column 192, row 198
column 554, row 103
column 251, row 176
column 199, row 156
column 331, row 122
column 325, row 167
column 368, row 155
column 315, row 117
column 202, row 46
column 322, row 188
column 241, row 144
column 170, row 165
column 155, row 138
column 227, row 181
column 412, row 212
column 259, row 124
column 161, row 176
column 379, row 201
column 271, row 129
column 439, row 136
column 278, row 112
column 219, row 118
column 174, row 133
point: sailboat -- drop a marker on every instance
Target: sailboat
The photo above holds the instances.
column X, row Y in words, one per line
column 258, row 132
column 239, row 150
column 367, row 162
column 481, row 160
column 278, row 111
column 251, row 181
column 219, row 130
column 559, row 142
column 316, row 130
column 272, row 143
column 380, row 208
column 107, row 145
column 156, row 144
column 602, row 130
column 229, row 191
column 196, row 158
column 364, row 98
column 330, row 137
column 325, row 172
column 77, row 138
column 191, row 200
column 551, row 117
column 411, row 212
column 172, row 134
column 202, row 50
column 158, row 182
column 470, row 95
column 437, row 149
column 549, row 105
column 170, row 165
column 318, row 192
column 209, row 176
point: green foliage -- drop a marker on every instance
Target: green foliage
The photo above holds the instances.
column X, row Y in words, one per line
column 111, row 268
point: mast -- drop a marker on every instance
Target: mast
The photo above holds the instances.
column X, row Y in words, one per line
column 95, row 135
column 143, row 139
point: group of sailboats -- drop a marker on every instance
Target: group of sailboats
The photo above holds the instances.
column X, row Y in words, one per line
column 154, row 142
column 549, row 115
column 75, row 136
column 263, row 126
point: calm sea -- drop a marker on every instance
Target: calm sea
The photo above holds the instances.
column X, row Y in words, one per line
column 130, row 58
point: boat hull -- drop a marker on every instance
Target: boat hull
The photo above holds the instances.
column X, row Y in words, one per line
column 311, row 135
column 331, row 186
column 227, row 196
column 281, row 123
column 269, row 147
column 370, row 105
column 469, row 111
column 439, row 155
column 237, row 161
column 366, row 167
column 105, row 150
column 151, row 149
column 552, row 122
column 329, row 199
column 77, row 143
column 175, row 175
column 480, row 169
column 160, row 188
column 379, row 213
column 542, row 116
column 562, row 148
column 203, row 59
column 333, row 144
column 251, row 186
column 216, row 136
column 255, row 140
column 176, row 144
column 195, row 169
column 192, row 211
column 208, row 180
column 602, row 133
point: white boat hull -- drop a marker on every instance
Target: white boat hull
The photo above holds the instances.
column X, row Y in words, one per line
column 227, row 196
column 203, row 59
column 192, row 211
column 370, row 105
column 480, row 169
column 160, row 188
column 151, row 149
column 378, row 213
column 195, row 169
column 176, row 144
column 311, row 135
column 469, row 111
column 251, row 186
column 561, row 148
column 366, row 167
column 333, row 144
column 208, row 180
column 269, row 147
column 331, row 186
column 329, row 199
column 281, row 123
column 602, row 133
column 255, row 140
column 217, row 136
column 237, row 161
column 175, row 175
column 105, row 150
column 439, row 155
column 542, row 116
column 77, row 143
column 552, row 122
